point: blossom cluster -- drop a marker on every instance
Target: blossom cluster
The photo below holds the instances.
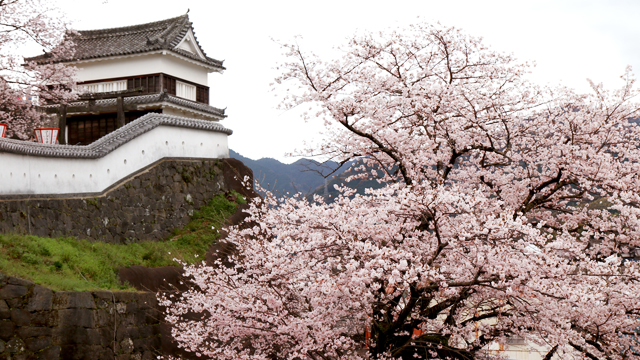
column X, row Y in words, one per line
column 508, row 209
column 32, row 24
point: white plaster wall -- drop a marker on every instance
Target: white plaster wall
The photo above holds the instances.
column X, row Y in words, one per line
column 25, row 174
column 141, row 65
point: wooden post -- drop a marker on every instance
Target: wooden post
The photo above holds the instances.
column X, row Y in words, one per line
column 92, row 105
column 62, row 124
column 161, row 87
column 120, row 120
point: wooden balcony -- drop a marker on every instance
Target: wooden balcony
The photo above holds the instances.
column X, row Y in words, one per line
column 151, row 84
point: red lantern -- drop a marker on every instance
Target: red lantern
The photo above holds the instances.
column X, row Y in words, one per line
column 47, row 135
column 3, row 130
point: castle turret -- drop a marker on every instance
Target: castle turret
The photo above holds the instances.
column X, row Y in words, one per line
column 131, row 71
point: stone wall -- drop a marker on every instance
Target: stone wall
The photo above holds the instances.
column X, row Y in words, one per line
column 37, row 323
column 146, row 206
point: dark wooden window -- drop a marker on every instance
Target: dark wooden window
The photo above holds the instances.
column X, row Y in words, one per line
column 169, row 84
column 83, row 130
column 202, row 94
column 150, row 83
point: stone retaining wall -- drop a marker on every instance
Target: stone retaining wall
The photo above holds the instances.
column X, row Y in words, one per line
column 37, row 323
column 145, row 206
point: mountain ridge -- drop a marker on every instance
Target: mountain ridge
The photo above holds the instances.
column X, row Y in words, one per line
column 302, row 176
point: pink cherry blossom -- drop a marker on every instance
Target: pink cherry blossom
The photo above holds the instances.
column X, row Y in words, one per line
column 508, row 209
column 32, row 24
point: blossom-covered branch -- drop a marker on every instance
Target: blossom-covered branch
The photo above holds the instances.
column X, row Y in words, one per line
column 507, row 210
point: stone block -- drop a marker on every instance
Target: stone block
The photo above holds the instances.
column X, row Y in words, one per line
column 141, row 345
column 76, row 317
column 75, row 335
column 41, row 299
column 106, row 336
column 103, row 295
column 13, row 291
column 94, row 337
column 4, row 310
column 132, row 306
column 15, row 345
column 33, row 331
column 20, row 317
column 73, row 300
column 17, row 281
column 121, row 333
column 121, row 308
column 127, row 319
column 140, row 317
column 3, row 279
column 50, row 353
column 106, row 354
column 15, row 303
column 103, row 317
column 133, row 332
column 7, row 329
column 106, row 306
column 125, row 296
column 78, row 351
column 108, row 237
column 44, row 318
column 113, row 230
column 37, row 344
column 126, row 346
column 146, row 332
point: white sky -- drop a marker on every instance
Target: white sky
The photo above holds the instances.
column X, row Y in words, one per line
column 569, row 41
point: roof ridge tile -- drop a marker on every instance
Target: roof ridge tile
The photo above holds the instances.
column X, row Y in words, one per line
column 135, row 39
column 141, row 26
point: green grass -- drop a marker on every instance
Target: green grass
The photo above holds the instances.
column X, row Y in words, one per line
column 68, row 263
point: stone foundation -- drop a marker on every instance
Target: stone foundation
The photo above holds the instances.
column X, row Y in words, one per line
column 145, row 206
column 37, row 323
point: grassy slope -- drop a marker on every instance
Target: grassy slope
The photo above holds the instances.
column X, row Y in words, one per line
column 71, row 264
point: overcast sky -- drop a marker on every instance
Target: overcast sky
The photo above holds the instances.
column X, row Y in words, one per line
column 569, row 41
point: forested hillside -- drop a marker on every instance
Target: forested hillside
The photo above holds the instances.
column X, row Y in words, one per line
column 304, row 175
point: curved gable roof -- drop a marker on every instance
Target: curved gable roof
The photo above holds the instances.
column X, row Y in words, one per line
column 159, row 35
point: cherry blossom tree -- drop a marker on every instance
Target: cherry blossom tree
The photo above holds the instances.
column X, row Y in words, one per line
column 509, row 210
column 31, row 24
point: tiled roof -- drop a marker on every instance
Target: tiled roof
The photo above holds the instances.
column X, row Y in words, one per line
column 111, row 141
column 149, row 99
column 159, row 35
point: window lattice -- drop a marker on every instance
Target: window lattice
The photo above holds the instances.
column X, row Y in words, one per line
column 108, row 86
column 185, row 90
